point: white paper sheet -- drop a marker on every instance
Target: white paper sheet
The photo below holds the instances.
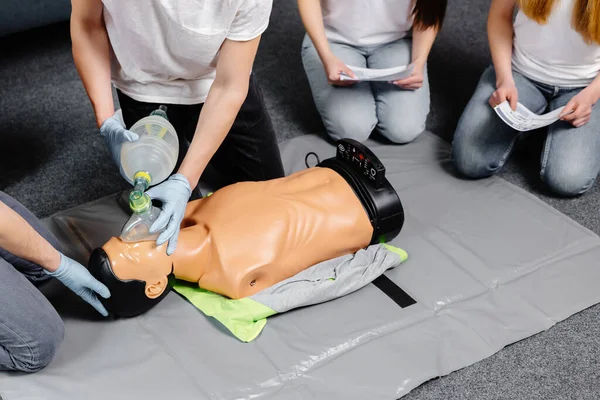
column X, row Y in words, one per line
column 523, row 119
column 379, row 75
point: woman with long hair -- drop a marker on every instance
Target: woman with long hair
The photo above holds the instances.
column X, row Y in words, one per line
column 370, row 34
column 549, row 57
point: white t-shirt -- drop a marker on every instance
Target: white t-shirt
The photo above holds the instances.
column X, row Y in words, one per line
column 165, row 51
column 366, row 22
column 554, row 53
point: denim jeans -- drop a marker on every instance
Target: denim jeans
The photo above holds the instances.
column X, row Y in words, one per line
column 31, row 330
column 355, row 111
column 249, row 152
column 570, row 160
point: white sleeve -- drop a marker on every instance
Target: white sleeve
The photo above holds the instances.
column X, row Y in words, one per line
column 251, row 20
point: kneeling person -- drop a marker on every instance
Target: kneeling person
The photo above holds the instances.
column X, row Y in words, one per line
column 31, row 331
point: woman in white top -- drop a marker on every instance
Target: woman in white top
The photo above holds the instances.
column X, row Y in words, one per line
column 370, row 34
column 548, row 58
column 196, row 58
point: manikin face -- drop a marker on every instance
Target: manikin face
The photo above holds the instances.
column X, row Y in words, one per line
column 141, row 261
column 139, row 275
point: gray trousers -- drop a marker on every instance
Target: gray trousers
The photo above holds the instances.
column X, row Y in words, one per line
column 354, row 112
column 30, row 328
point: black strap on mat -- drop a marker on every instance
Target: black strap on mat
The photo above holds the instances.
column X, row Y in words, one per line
column 393, row 291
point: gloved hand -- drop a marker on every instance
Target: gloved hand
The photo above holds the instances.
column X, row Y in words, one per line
column 114, row 133
column 77, row 278
column 174, row 194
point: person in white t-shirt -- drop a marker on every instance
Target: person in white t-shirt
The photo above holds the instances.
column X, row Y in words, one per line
column 195, row 57
column 549, row 57
column 376, row 34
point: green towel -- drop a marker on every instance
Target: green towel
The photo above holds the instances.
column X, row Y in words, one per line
column 245, row 318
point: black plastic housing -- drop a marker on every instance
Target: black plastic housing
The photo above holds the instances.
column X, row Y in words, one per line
column 365, row 174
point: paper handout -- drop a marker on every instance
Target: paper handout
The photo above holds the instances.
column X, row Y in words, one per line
column 523, row 119
column 382, row 74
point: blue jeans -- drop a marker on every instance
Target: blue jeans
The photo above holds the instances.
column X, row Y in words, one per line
column 30, row 328
column 355, row 111
column 570, row 160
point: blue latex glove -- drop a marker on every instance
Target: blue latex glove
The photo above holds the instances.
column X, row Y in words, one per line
column 174, row 194
column 114, row 133
column 77, row 278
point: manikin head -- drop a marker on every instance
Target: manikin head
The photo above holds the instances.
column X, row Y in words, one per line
column 139, row 275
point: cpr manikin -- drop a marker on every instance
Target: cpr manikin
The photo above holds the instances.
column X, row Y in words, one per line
column 249, row 236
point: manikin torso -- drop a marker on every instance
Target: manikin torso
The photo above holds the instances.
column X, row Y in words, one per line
column 251, row 235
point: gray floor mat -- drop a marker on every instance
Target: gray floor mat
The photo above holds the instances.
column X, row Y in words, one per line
column 489, row 264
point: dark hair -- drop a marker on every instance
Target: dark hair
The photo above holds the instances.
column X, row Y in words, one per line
column 429, row 13
column 127, row 298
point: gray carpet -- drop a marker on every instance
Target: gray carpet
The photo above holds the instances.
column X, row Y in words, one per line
column 53, row 159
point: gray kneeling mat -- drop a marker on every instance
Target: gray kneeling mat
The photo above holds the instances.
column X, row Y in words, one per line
column 488, row 265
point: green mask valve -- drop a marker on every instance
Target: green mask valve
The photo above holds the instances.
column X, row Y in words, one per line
column 139, row 201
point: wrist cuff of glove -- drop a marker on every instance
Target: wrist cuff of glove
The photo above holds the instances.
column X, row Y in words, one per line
column 181, row 178
column 61, row 267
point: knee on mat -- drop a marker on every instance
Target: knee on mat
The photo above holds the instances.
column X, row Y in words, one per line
column 401, row 132
column 45, row 343
column 567, row 181
column 346, row 127
column 471, row 165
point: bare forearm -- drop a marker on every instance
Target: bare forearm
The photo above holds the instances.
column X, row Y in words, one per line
column 91, row 53
column 421, row 45
column 312, row 18
column 500, row 34
column 19, row 238
column 222, row 105
column 218, row 114
column 594, row 89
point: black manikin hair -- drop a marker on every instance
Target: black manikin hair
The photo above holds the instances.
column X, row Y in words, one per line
column 128, row 298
